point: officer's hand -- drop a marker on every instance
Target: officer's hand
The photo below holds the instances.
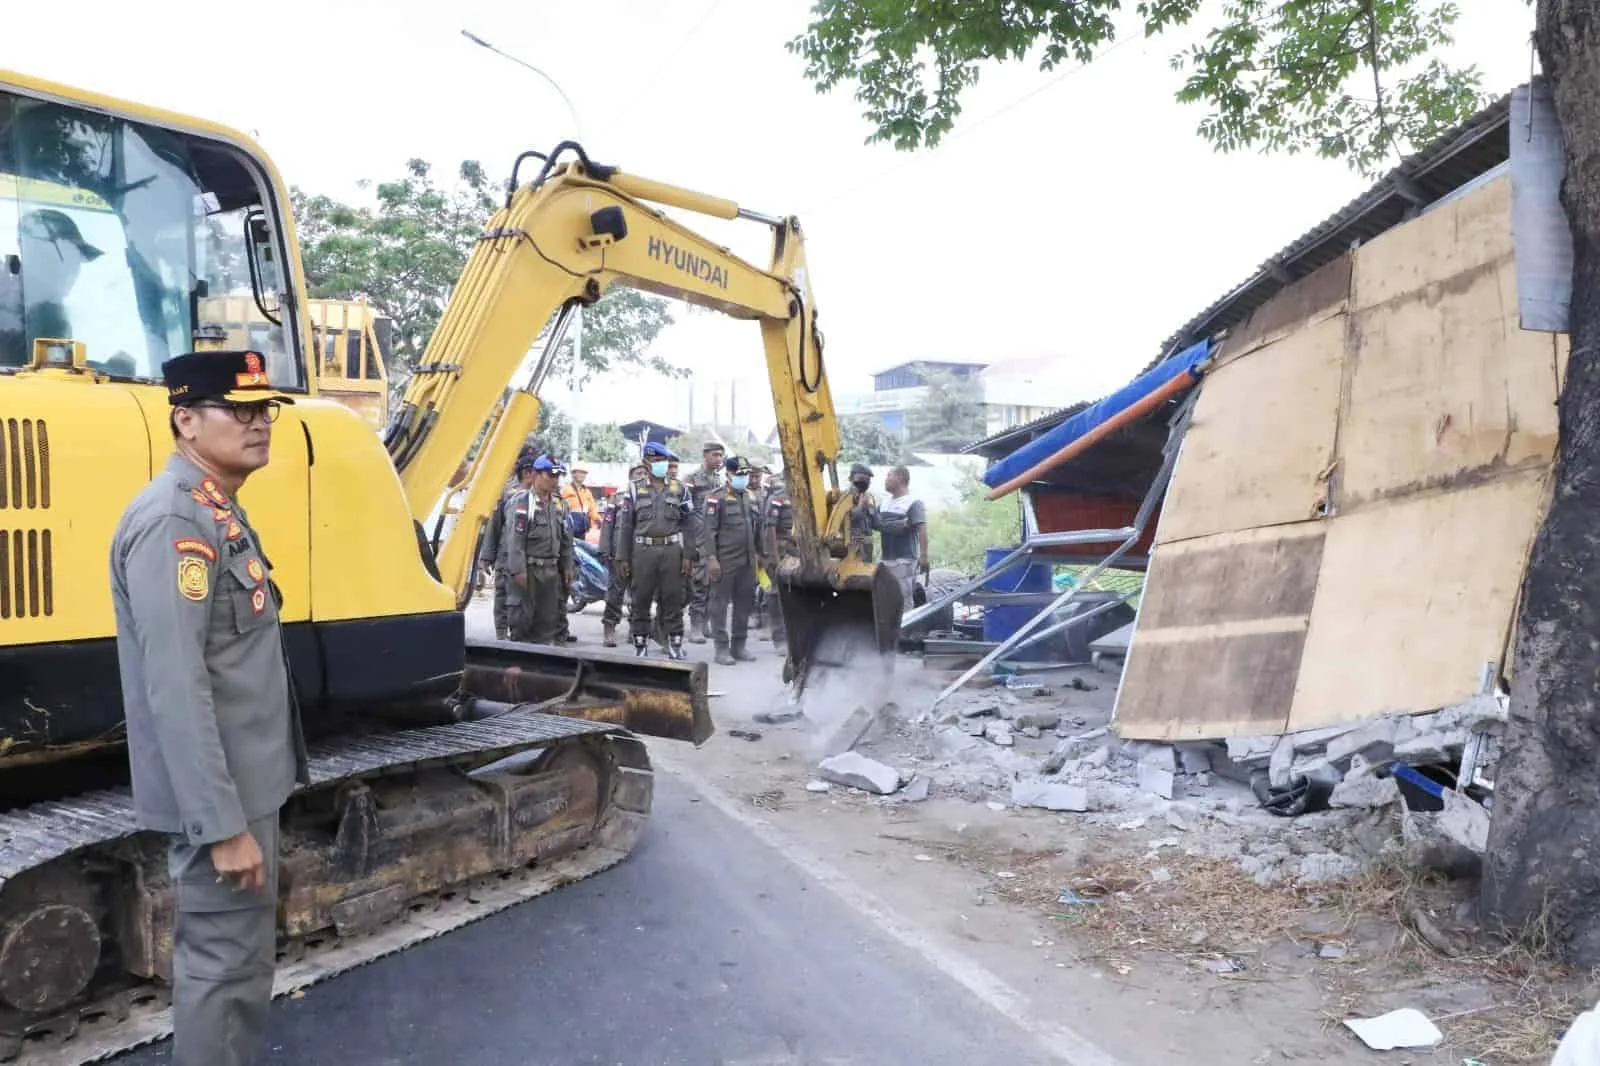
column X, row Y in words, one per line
column 239, row 859
column 688, row 566
column 521, row 580
column 714, row 569
column 626, row 570
column 924, row 567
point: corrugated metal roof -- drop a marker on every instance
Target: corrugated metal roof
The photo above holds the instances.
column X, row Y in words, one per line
column 1466, row 153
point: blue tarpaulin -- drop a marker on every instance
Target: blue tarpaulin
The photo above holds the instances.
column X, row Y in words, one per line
column 1040, row 449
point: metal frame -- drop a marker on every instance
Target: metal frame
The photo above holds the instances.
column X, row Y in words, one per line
column 1033, row 541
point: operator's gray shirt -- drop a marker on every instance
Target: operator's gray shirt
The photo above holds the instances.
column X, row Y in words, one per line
column 214, row 740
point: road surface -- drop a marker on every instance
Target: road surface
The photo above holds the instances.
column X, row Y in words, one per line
column 705, row 948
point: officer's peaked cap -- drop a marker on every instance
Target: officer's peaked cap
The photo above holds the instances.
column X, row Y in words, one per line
column 860, row 470
column 237, row 377
column 658, row 451
column 545, row 465
column 712, row 446
column 736, row 464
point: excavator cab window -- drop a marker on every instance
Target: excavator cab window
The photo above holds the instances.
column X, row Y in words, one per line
column 116, row 234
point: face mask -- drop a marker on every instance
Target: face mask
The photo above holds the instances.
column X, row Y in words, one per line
column 861, row 483
column 658, row 469
column 740, row 482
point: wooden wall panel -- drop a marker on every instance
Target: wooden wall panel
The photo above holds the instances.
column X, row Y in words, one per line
column 1217, row 646
column 1261, row 437
column 1415, row 596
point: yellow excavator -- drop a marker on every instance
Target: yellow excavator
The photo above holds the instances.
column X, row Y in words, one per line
column 451, row 777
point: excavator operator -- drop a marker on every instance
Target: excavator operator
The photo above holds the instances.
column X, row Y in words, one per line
column 657, row 544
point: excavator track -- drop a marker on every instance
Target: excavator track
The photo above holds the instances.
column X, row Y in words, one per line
column 398, row 838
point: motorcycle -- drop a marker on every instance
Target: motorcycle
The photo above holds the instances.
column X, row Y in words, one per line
column 590, row 582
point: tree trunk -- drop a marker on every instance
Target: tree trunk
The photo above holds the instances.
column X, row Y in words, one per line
column 1543, row 861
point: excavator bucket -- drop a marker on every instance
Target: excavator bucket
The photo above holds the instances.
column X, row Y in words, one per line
column 846, row 620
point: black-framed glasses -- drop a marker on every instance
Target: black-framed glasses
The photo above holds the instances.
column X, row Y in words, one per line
column 247, row 413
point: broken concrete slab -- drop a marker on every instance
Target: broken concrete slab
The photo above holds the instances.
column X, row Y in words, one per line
column 1195, row 758
column 1037, row 720
column 917, row 790
column 1155, row 781
column 1051, row 795
column 854, row 770
column 1373, row 741
column 850, row 733
column 999, row 733
column 1365, row 789
column 1465, row 821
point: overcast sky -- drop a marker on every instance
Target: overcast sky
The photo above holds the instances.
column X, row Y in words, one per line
column 1073, row 215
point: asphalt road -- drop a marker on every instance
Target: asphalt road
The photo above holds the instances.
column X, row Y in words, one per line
column 705, row 948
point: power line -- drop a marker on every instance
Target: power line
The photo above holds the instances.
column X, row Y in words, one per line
column 913, row 159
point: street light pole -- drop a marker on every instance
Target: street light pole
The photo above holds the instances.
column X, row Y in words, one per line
column 577, row 125
column 577, row 322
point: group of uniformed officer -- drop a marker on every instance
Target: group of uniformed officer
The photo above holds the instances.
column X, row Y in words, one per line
column 670, row 545
column 693, row 545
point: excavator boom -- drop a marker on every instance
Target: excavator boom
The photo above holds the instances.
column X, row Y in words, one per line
column 563, row 240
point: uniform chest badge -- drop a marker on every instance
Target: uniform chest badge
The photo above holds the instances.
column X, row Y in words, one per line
column 222, row 514
column 253, row 568
column 258, row 599
column 194, row 580
column 235, row 530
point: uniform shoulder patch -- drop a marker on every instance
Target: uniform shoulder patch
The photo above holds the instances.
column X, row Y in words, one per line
column 221, row 514
column 194, row 579
column 195, row 546
column 201, row 498
column 209, row 487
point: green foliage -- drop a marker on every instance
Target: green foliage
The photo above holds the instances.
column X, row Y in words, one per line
column 602, row 442
column 1341, row 78
column 958, row 536
column 554, row 435
column 949, row 418
column 864, row 439
column 406, row 250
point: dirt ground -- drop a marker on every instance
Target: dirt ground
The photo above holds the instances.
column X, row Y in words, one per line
column 1145, row 932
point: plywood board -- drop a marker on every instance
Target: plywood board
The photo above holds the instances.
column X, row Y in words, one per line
column 1261, row 438
column 1436, row 246
column 1217, row 644
column 1414, row 598
column 1445, row 390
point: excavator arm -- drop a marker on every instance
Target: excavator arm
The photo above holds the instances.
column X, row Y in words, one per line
column 562, row 241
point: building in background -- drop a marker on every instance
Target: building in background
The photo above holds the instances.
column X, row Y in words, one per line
column 1014, row 391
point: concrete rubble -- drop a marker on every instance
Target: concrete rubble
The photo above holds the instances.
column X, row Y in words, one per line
column 854, row 770
column 1311, row 806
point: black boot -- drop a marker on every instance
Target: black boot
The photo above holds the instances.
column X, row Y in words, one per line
column 722, row 657
column 641, row 645
column 675, row 650
column 740, row 654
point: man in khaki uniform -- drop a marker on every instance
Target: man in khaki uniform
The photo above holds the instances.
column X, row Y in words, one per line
column 729, row 545
column 494, row 538
column 538, row 556
column 657, row 540
column 617, row 590
column 214, row 740
column 777, row 540
column 700, row 483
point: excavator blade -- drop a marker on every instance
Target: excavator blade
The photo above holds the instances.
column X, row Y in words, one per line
column 845, row 620
column 651, row 697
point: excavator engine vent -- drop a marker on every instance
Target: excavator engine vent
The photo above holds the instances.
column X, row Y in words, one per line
column 24, row 465
column 27, row 574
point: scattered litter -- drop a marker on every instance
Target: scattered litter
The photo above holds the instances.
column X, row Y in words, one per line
column 1071, row 898
column 923, row 858
column 818, row 786
column 1017, row 682
column 1403, row 1028
column 1332, row 951
column 1005, row 874
column 744, row 734
column 995, row 805
column 1225, row 965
